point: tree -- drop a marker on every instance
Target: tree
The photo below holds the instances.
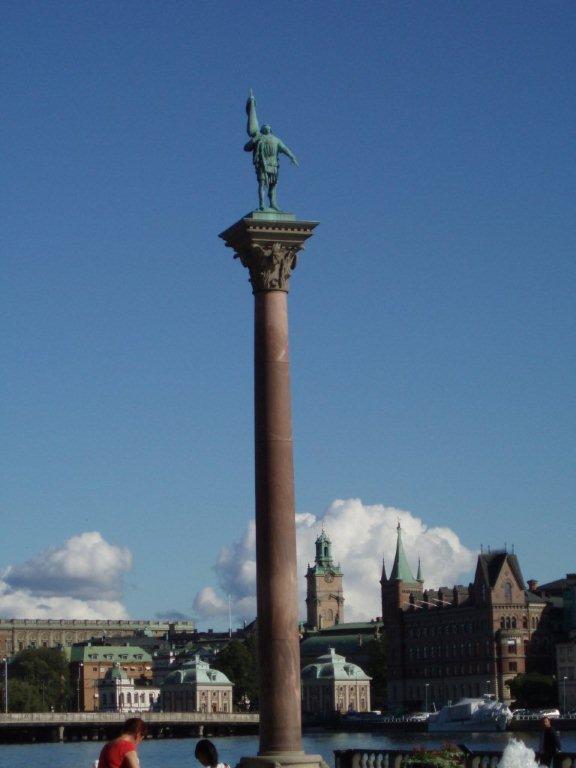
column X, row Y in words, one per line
column 238, row 661
column 39, row 680
column 533, row 690
column 378, row 671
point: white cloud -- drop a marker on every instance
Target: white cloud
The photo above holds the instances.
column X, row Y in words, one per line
column 81, row 579
column 361, row 535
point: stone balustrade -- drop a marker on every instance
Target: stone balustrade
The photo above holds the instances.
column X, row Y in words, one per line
column 395, row 758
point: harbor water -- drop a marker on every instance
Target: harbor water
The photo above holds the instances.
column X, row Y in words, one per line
column 179, row 753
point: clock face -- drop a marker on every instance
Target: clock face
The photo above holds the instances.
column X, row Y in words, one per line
column 329, row 577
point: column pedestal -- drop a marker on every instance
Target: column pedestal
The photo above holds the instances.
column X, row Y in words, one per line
column 267, row 245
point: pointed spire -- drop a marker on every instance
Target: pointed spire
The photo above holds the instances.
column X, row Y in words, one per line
column 401, row 570
column 383, row 578
column 419, row 574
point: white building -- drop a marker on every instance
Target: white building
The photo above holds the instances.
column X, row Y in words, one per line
column 333, row 684
column 119, row 693
column 196, row 688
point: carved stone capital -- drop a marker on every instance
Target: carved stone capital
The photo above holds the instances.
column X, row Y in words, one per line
column 268, row 247
column 270, row 265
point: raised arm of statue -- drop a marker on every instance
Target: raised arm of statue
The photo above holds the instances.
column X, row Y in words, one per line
column 253, row 128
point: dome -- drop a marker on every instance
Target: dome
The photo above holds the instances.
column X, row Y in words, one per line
column 196, row 671
column 116, row 673
column 332, row 666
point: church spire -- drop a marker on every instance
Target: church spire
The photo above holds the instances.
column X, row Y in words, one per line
column 401, row 570
column 383, row 578
column 419, row 574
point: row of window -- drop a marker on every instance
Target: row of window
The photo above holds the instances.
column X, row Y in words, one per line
column 510, row 622
column 454, row 650
column 436, row 630
column 449, row 670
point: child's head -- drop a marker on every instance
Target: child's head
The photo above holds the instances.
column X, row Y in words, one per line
column 206, row 753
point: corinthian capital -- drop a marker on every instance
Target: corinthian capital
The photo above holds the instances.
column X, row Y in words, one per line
column 268, row 246
column 270, row 265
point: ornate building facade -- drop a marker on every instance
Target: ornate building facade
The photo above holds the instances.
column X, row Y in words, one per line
column 461, row 641
column 324, row 595
column 120, row 693
column 195, row 687
column 18, row 634
column 333, row 684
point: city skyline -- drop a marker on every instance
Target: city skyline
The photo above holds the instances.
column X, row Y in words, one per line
column 433, row 326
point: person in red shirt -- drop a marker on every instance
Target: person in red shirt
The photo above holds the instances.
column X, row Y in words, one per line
column 121, row 753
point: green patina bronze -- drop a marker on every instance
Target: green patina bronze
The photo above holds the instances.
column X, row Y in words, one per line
column 265, row 148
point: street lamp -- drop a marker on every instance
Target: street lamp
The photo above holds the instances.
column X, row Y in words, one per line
column 426, row 686
column 5, row 660
column 564, row 697
column 78, row 686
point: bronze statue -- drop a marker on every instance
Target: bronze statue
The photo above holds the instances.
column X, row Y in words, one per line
column 265, row 148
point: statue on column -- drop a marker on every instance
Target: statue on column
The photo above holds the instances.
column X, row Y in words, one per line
column 265, row 148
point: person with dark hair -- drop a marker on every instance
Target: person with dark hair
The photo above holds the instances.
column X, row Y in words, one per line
column 549, row 744
column 121, row 753
column 207, row 755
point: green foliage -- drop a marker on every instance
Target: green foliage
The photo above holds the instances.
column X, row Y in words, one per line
column 377, row 669
column 447, row 757
column 39, row 680
column 533, row 690
column 239, row 662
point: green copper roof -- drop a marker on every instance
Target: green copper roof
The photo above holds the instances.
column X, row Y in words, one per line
column 115, row 653
column 196, row 672
column 401, row 570
column 334, row 667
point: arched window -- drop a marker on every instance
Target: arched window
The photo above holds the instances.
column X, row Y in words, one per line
column 508, row 591
column 524, row 622
column 507, row 622
column 502, row 620
column 129, row 698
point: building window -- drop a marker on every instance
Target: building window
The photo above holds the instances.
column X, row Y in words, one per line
column 513, row 622
column 508, row 591
column 513, row 666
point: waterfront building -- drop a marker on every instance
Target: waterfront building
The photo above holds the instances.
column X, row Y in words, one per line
column 333, row 684
column 120, row 693
column 324, row 594
column 196, row 687
column 461, row 641
column 90, row 663
column 18, row 634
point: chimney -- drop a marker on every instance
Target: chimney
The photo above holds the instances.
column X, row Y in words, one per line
column 532, row 584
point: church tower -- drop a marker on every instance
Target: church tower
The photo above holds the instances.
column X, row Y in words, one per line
column 324, row 595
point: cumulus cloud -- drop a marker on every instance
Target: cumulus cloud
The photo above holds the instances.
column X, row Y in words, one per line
column 361, row 536
column 84, row 578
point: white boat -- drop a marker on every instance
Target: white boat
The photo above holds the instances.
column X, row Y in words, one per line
column 483, row 714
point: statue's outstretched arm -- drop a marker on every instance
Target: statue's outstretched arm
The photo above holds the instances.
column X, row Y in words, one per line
column 283, row 149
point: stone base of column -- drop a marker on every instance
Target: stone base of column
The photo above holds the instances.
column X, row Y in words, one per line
column 287, row 760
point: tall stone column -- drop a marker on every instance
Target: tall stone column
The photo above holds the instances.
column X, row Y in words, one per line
column 267, row 244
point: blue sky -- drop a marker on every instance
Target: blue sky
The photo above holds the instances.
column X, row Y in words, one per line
column 432, row 315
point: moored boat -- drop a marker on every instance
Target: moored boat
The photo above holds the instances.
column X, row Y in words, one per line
column 482, row 714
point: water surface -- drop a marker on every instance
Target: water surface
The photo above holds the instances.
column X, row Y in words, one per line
column 179, row 753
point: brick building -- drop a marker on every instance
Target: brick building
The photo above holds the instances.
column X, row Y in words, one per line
column 89, row 665
column 461, row 641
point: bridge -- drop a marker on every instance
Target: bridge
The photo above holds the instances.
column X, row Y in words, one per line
column 88, row 726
